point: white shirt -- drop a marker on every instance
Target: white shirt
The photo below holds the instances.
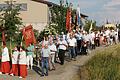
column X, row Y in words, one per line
column 72, row 42
column 85, row 37
column 97, row 35
column 93, row 35
column 64, row 37
column 15, row 57
column 53, row 48
column 78, row 36
column 45, row 52
column 45, row 42
column 62, row 45
column 5, row 55
column 116, row 35
column 104, row 34
column 68, row 36
column 107, row 33
column 22, row 57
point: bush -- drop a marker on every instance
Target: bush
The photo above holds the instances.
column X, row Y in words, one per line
column 104, row 66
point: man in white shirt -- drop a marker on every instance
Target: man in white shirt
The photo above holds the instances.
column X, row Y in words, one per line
column 97, row 39
column 85, row 43
column 53, row 50
column 72, row 44
column 92, row 40
column 45, row 53
column 107, row 33
column 62, row 46
column 45, row 41
column 111, row 37
column 78, row 36
column 116, row 36
column 64, row 36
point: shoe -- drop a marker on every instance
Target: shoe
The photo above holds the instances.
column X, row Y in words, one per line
column 11, row 75
column 28, row 67
column 74, row 59
column 20, row 77
column 37, row 65
column 50, row 70
column 54, row 69
column 46, row 74
column 42, row 75
column 6, row 73
column 31, row 68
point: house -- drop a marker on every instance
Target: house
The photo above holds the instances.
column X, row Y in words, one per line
column 34, row 12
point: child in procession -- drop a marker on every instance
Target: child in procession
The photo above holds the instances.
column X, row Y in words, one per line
column 22, row 63
column 5, row 65
column 14, row 70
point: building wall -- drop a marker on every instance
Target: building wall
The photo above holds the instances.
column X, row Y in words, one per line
column 36, row 13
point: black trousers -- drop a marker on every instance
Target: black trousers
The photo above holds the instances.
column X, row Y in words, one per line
column 79, row 46
column 61, row 56
column 97, row 42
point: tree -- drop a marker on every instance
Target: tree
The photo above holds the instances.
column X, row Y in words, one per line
column 58, row 14
column 88, row 24
column 10, row 20
column 58, row 19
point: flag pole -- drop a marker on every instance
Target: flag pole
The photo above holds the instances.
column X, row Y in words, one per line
column 91, row 26
column 10, row 46
column 21, row 41
column 2, row 39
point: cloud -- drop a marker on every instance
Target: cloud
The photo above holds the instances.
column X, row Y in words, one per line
column 113, row 3
column 102, row 16
column 86, row 4
column 99, row 10
column 107, row 10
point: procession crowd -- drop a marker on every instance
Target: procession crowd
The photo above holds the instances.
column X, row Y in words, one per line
column 55, row 48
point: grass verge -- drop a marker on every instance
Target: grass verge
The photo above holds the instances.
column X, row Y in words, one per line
column 105, row 65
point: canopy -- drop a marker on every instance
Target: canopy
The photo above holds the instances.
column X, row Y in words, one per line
column 110, row 26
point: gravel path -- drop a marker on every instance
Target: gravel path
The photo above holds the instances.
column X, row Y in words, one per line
column 64, row 72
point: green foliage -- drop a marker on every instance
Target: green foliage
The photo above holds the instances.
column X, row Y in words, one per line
column 88, row 24
column 58, row 14
column 105, row 65
column 51, row 29
column 10, row 20
column 58, row 20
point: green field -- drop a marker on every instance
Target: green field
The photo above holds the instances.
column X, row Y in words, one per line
column 105, row 65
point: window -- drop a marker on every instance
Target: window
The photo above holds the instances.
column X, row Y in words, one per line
column 23, row 6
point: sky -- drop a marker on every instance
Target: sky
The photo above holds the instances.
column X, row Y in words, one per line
column 98, row 10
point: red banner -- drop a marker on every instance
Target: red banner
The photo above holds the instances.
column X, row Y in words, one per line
column 68, row 20
column 28, row 35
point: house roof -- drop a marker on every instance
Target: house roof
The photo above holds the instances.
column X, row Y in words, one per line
column 53, row 4
column 83, row 15
column 46, row 2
